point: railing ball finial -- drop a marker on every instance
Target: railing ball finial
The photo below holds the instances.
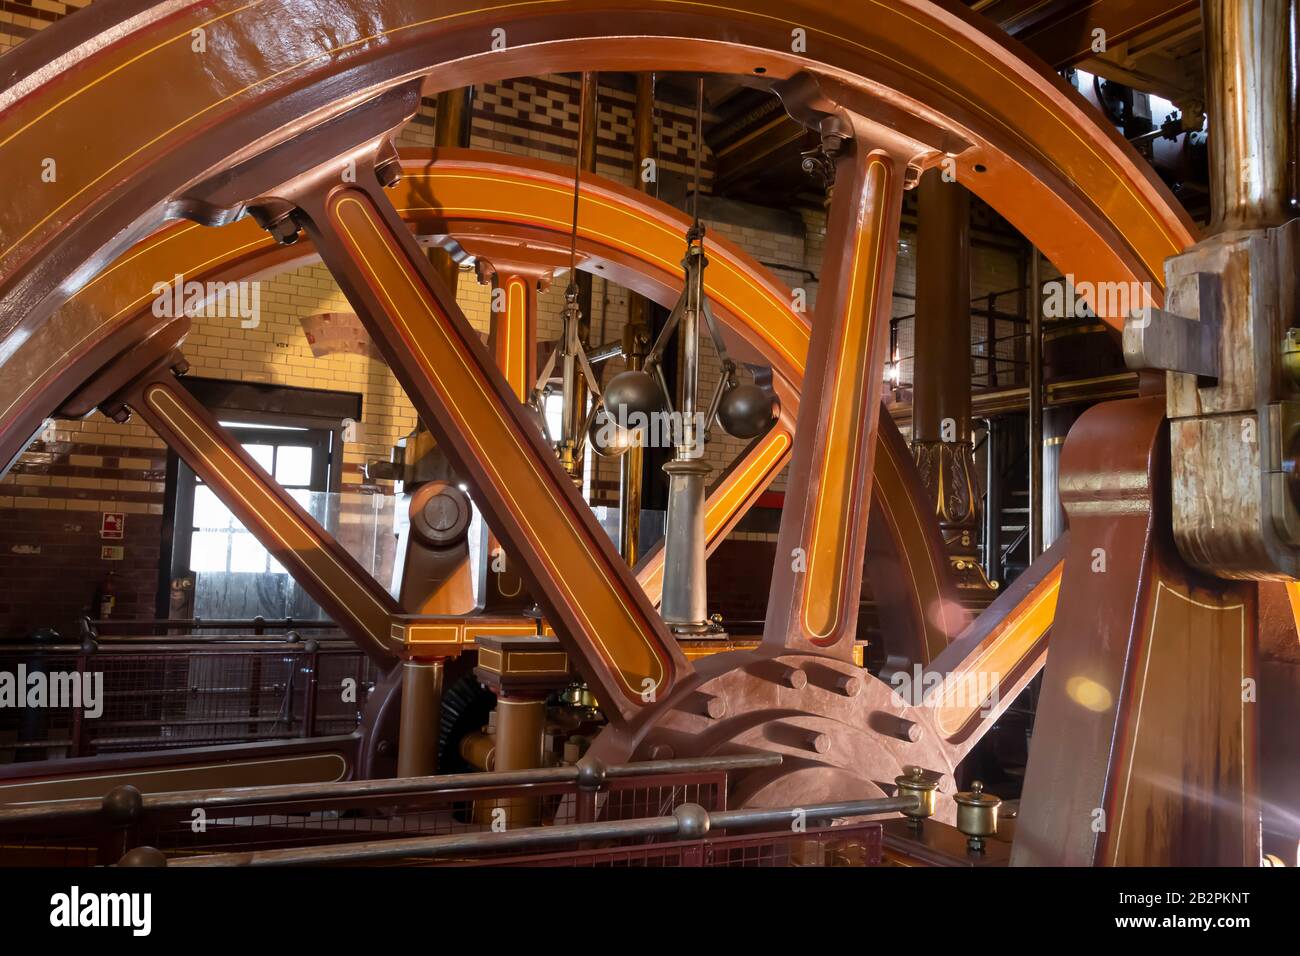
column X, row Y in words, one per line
column 143, row 856
column 591, row 773
column 692, row 821
column 123, row 804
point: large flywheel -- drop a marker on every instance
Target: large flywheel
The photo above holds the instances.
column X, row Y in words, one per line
column 261, row 136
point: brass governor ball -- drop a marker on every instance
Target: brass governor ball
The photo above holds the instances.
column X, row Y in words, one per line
column 631, row 392
column 746, row 411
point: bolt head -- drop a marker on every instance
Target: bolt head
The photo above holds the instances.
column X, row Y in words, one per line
column 284, row 230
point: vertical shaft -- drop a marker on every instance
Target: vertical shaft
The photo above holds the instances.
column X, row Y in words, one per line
column 1247, row 79
column 636, row 335
column 943, row 326
column 451, row 124
column 1035, row 405
column 575, row 384
column 417, row 741
column 685, row 596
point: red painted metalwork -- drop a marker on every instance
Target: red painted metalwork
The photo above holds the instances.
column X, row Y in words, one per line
column 1019, row 140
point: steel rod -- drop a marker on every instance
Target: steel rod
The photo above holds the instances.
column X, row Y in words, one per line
column 240, row 796
column 529, row 837
column 1035, row 405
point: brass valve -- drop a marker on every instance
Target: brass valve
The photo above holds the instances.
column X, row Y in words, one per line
column 915, row 782
column 977, row 815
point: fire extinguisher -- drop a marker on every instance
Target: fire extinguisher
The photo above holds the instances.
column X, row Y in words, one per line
column 106, row 597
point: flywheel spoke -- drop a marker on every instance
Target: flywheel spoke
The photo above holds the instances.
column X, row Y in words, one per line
column 588, row 594
column 818, row 576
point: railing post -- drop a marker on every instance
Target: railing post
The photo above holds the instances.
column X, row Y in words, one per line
column 312, row 669
column 122, row 812
column 79, row 713
column 693, row 824
column 592, row 779
column 991, row 341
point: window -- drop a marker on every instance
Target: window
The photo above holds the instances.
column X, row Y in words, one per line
column 215, row 567
column 298, row 458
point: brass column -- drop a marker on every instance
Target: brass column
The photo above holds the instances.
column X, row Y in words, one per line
column 941, row 409
column 520, row 736
column 636, row 334
column 417, row 740
column 451, row 125
column 1247, row 82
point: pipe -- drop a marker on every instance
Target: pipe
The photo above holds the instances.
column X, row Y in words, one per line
column 636, row 336
column 684, row 604
column 1035, row 405
column 421, row 710
column 1247, row 81
column 242, row 796
column 689, row 820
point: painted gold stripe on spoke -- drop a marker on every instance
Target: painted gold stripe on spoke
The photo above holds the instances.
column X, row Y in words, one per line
column 827, row 555
column 257, row 499
column 465, row 395
column 515, row 335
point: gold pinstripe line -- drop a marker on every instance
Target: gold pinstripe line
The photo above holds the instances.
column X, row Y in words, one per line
column 821, row 513
column 521, row 514
column 151, row 395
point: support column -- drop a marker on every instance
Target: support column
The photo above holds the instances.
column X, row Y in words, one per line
column 1056, row 426
column 1035, row 516
column 941, row 407
column 522, row 672
column 685, row 599
column 451, row 128
column 993, row 502
column 636, row 334
column 417, row 739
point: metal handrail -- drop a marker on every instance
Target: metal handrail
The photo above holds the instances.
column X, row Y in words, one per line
column 586, row 770
column 690, row 820
column 254, row 624
column 143, row 645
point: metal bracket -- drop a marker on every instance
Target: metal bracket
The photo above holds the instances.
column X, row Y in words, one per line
column 1154, row 338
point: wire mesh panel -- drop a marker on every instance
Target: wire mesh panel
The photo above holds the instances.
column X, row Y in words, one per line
column 131, row 698
column 187, row 831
